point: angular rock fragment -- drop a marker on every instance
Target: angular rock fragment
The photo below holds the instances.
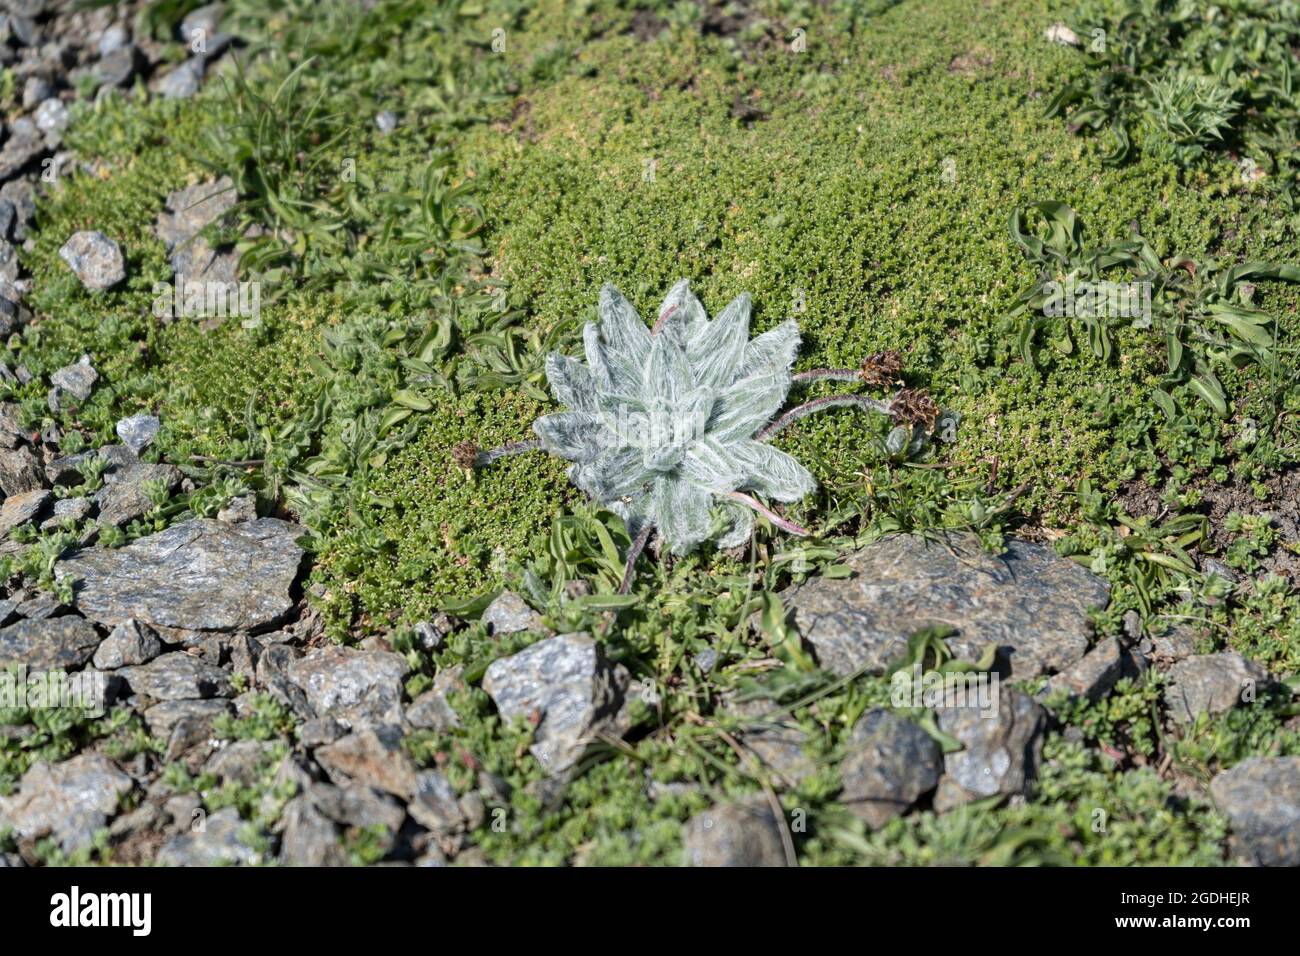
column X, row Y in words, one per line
column 357, row 688
column 217, row 839
column 69, row 801
column 21, row 508
column 57, row 642
column 890, row 763
column 373, row 757
column 745, row 833
column 130, row 643
column 1261, row 797
column 1029, row 602
column 138, row 431
column 1000, row 751
column 95, row 259
column 201, row 575
column 177, row 676
column 567, row 687
column 1211, row 684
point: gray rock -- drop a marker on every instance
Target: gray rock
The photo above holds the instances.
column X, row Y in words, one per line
column 1210, row 684
column 1000, row 752
column 430, row 635
column 36, row 90
column 776, row 742
column 8, row 270
column 21, row 508
column 1176, row 644
column 1030, row 602
column 12, row 432
column 319, row 731
column 164, row 718
column 219, row 839
column 569, row 687
column 182, row 82
column 51, row 116
column 431, row 710
column 199, row 575
column 243, row 508
column 130, row 643
column 357, row 806
column 40, row 607
column 273, row 677
column 21, row 194
column 118, row 68
column 205, row 20
column 189, row 211
column 509, row 614
column 1261, row 798
column 435, row 805
column 241, row 761
column 95, row 259
column 138, row 431
column 357, row 688
column 77, row 379
column 24, row 144
column 68, row 509
column 113, row 39
column 125, row 495
column 177, row 676
column 386, row 121
column 19, row 471
column 890, row 763
column 309, row 837
column 58, row 642
column 1093, row 675
column 69, row 801
column 373, row 757
column 745, row 833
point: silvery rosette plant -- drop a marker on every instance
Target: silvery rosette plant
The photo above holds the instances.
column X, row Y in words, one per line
column 667, row 426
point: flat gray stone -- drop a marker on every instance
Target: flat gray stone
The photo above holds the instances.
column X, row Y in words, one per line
column 373, row 757
column 435, row 805
column 568, row 686
column 163, row 718
column 509, row 614
column 129, row 644
column 56, row 642
column 200, row 575
column 21, row 508
column 1030, row 602
column 177, row 676
column 124, row 496
column 1093, row 675
column 189, row 211
column 69, row 801
column 1261, row 798
column 309, row 838
column 219, row 839
column 19, row 471
column 95, row 259
column 890, row 763
column 1210, row 684
column 357, row 688
column 68, row 509
column 1000, row 752
column 744, row 833
column 431, row 709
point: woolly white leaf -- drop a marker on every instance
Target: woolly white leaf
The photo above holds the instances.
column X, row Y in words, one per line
column 741, row 525
column 576, row 436
column 717, row 348
column 572, row 383
column 711, row 464
column 621, row 328
column 681, row 512
column 773, row 473
column 680, row 307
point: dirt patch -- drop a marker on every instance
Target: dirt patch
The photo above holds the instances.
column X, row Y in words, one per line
column 973, row 61
column 646, row 26
column 1282, row 507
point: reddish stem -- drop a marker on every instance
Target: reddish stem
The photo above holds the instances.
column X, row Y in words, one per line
column 769, row 514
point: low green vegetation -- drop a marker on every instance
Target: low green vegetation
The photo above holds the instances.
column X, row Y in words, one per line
column 851, row 165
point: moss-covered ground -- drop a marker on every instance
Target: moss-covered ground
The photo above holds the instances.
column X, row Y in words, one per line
column 851, row 164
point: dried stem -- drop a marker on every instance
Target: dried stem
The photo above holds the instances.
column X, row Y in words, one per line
column 769, row 514
column 829, row 374
column 816, row 405
column 486, row 458
column 634, row 552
